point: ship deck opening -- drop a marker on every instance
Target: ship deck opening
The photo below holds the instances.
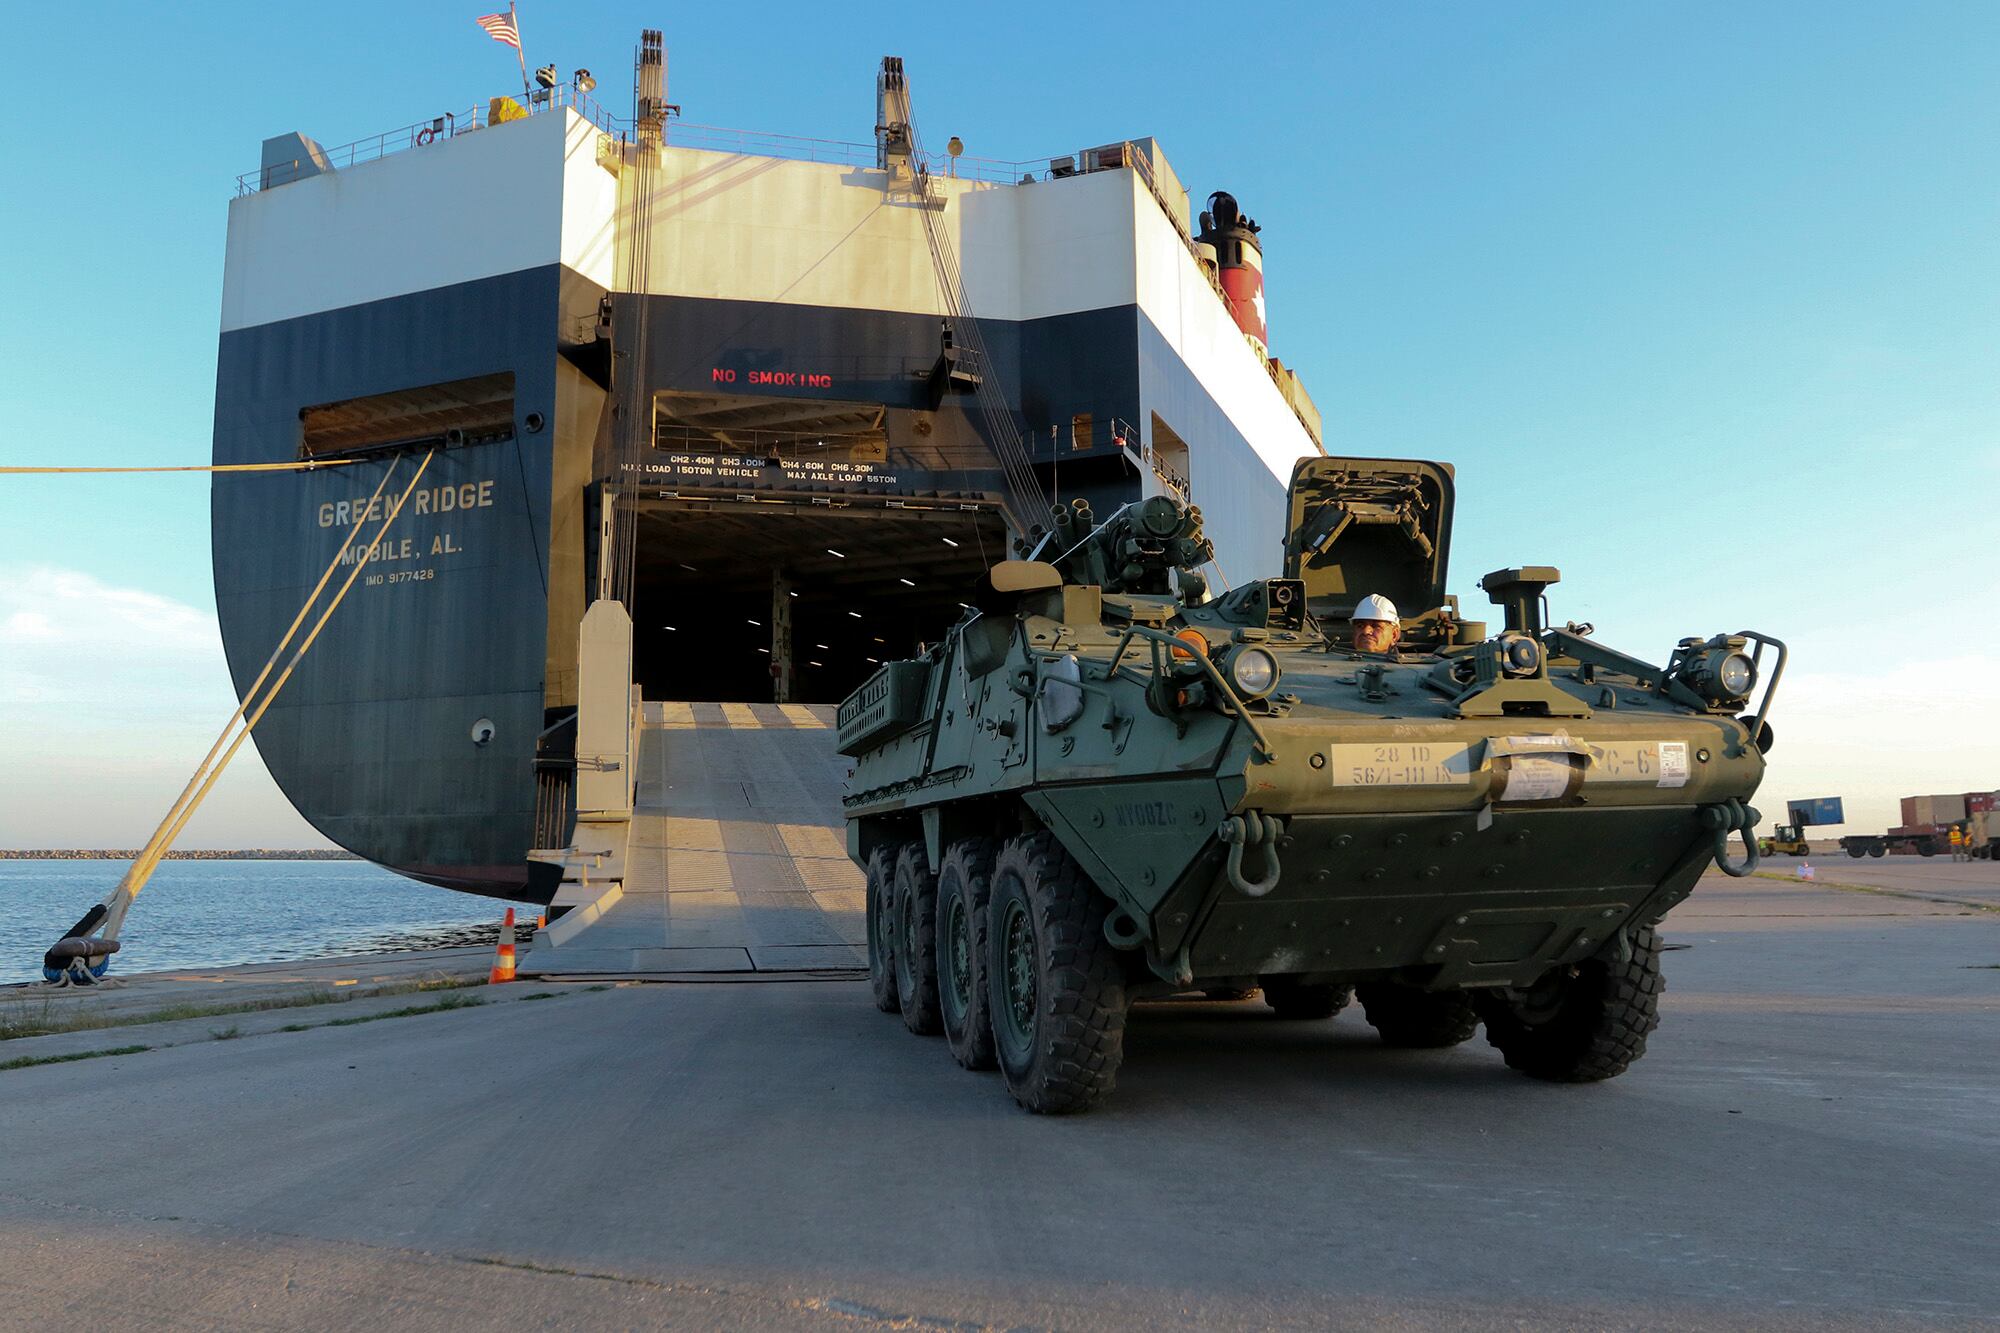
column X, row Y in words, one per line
column 861, row 582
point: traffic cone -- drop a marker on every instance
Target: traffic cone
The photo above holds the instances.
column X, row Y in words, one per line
column 503, row 959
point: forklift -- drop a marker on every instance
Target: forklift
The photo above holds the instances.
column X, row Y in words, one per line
column 1789, row 839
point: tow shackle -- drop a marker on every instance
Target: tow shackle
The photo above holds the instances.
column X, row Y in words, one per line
column 1253, row 828
column 1732, row 816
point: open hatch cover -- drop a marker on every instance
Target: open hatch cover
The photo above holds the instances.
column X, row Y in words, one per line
column 1357, row 526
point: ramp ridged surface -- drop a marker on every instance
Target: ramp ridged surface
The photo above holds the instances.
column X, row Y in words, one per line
column 738, row 860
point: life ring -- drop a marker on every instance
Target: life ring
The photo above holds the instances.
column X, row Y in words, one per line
column 425, row 135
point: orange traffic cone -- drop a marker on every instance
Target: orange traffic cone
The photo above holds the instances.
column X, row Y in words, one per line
column 503, row 960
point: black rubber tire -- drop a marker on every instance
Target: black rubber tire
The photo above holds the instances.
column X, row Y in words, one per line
column 1230, row 994
column 916, row 941
column 1305, row 1001
column 964, row 881
column 1591, row 1026
column 1060, row 1047
column 1877, row 851
column 1856, row 852
column 881, row 900
column 1417, row 1020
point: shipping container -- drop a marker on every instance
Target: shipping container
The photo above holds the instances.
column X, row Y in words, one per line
column 1938, row 810
column 1816, row 813
column 1978, row 802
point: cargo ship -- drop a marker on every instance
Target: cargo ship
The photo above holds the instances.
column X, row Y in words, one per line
column 781, row 399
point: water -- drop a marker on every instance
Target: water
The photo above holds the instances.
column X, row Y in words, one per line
column 214, row 913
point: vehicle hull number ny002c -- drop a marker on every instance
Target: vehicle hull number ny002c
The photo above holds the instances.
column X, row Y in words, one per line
column 1400, row 764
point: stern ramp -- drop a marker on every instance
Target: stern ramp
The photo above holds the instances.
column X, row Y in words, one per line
column 737, row 860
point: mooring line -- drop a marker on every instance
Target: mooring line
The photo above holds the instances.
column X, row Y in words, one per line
column 110, row 913
column 151, row 854
column 309, row 465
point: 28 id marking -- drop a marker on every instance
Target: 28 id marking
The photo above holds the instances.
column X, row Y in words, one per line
column 1400, row 764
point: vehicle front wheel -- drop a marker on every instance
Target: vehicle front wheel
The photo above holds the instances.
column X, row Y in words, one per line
column 1305, row 1001
column 1580, row 1024
column 963, row 886
column 881, row 898
column 1416, row 1019
column 1055, row 989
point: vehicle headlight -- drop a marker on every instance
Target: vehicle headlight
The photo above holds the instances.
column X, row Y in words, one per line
column 1253, row 672
column 1735, row 674
column 1718, row 670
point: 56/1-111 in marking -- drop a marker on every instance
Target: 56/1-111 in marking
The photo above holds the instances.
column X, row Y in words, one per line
column 1400, row 765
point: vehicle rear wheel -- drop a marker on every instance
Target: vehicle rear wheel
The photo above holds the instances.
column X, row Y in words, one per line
column 1414, row 1019
column 1054, row 985
column 1926, row 850
column 1856, row 852
column 1305, row 1001
column 881, row 898
column 1580, row 1024
column 1876, row 851
column 915, row 945
column 963, row 885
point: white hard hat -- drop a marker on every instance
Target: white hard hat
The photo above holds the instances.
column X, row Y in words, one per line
column 1376, row 607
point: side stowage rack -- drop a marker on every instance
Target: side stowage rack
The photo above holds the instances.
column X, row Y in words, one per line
column 887, row 705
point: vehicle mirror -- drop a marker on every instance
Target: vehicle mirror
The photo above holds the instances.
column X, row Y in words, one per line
column 1009, row 581
column 1019, row 576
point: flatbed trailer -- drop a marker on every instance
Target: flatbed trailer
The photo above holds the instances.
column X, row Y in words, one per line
column 1924, row 840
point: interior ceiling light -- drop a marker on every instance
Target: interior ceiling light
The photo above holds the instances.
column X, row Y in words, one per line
column 815, row 664
column 690, row 569
column 907, row 583
column 876, row 660
column 837, row 555
column 758, row 623
column 765, row 651
column 855, row 614
column 949, row 542
column 881, row 641
column 676, row 627
column 824, row 647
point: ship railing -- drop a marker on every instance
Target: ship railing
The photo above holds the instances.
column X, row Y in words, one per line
column 796, row 148
column 555, row 780
column 424, row 133
column 1126, row 436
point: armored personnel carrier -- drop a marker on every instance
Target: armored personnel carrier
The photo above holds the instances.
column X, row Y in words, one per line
column 1105, row 785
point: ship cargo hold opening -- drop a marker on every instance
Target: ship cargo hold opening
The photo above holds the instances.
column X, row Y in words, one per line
column 784, row 548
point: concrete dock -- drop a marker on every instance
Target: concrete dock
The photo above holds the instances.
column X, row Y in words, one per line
column 1809, row 1142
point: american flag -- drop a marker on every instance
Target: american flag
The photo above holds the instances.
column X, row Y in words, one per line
column 500, row 27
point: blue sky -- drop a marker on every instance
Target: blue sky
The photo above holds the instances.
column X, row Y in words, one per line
column 1702, row 299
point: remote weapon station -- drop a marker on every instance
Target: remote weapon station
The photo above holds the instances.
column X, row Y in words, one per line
column 1104, row 785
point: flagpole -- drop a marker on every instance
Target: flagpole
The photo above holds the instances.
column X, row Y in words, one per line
column 519, row 54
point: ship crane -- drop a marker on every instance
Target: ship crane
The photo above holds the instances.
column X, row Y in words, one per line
column 962, row 361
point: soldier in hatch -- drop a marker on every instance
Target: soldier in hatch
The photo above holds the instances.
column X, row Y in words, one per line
column 1377, row 629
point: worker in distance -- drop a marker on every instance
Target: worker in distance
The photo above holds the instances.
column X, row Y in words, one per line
column 1376, row 626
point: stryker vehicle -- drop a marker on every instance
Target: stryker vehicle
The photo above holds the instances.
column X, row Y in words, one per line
column 1104, row 785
